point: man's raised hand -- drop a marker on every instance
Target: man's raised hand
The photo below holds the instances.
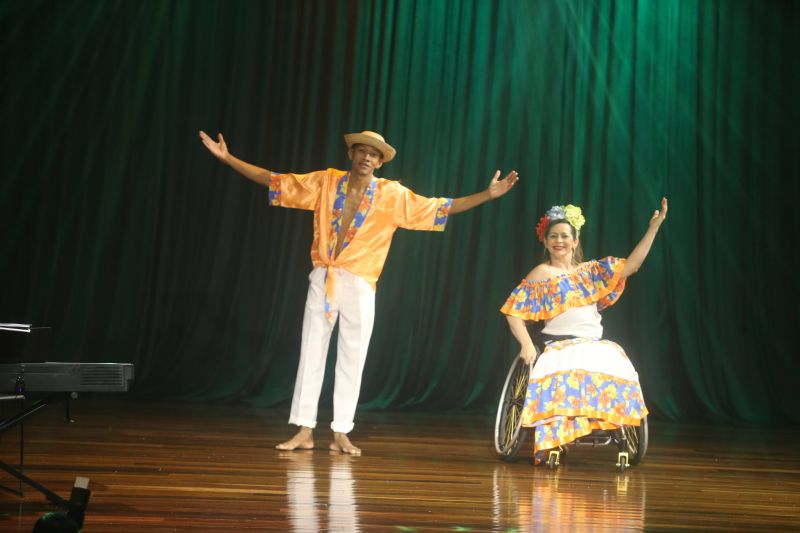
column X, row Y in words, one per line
column 498, row 187
column 217, row 149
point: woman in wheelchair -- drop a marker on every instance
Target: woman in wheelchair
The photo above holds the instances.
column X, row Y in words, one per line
column 580, row 382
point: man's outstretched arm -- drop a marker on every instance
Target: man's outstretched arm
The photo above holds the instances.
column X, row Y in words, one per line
column 220, row 151
column 497, row 188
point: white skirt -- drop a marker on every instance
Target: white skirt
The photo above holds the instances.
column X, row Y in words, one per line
column 577, row 386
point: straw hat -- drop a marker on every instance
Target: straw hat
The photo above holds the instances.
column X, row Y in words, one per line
column 370, row 138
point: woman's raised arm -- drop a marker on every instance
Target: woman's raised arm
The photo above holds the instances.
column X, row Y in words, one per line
column 638, row 255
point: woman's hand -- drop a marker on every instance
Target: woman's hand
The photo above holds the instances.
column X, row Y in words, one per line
column 527, row 351
column 638, row 255
column 659, row 216
column 528, row 354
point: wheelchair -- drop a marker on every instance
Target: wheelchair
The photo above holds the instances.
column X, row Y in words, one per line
column 510, row 436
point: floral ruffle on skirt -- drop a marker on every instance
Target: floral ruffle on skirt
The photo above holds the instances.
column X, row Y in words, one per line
column 577, row 386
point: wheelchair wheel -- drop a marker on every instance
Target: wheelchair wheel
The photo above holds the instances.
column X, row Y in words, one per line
column 636, row 439
column 509, row 435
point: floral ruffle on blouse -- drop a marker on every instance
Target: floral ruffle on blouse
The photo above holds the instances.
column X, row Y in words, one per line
column 594, row 281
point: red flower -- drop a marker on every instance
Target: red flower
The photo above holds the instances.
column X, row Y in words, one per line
column 541, row 227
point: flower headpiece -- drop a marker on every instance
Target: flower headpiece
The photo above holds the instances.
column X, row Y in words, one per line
column 570, row 213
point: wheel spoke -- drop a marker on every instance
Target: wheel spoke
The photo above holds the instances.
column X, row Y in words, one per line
column 519, row 385
column 632, row 438
column 511, row 426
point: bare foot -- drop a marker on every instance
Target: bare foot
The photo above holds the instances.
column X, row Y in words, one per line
column 342, row 444
column 303, row 440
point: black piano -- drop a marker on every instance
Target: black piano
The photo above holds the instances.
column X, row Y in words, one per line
column 21, row 378
column 26, row 367
column 25, row 372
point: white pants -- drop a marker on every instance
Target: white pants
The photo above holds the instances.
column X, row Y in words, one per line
column 354, row 305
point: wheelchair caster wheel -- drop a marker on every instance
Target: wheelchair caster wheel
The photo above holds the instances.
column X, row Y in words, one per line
column 553, row 459
column 622, row 461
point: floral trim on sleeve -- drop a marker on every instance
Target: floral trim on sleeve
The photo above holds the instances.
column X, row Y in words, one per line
column 274, row 189
column 594, row 281
column 440, row 218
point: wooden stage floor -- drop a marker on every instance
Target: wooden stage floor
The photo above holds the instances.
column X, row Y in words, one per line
column 167, row 467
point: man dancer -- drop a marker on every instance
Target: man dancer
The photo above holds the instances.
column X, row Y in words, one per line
column 355, row 216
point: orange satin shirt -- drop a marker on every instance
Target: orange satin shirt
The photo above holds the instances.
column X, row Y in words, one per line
column 391, row 206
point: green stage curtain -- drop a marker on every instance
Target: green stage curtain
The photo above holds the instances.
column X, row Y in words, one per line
column 122, row 233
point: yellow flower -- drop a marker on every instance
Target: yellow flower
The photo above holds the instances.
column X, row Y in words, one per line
column 574, row 216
